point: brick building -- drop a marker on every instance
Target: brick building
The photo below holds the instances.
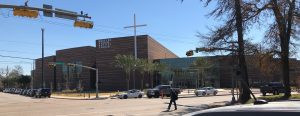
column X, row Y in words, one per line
column 101, row 57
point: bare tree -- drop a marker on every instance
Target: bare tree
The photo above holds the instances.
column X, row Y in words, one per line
column 282, row 31
column 236, row 17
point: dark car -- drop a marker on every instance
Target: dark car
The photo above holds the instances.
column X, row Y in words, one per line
column 272, row 87
column 24, row 92
column 43, row 92
column 32, row 92
column 160, row 90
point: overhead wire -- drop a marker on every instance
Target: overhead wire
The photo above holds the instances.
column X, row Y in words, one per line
column 109, row 30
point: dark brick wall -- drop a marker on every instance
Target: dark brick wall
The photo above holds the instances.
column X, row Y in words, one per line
column 86, row 56
column 113, row 78
column 48, row 72
column 158, row 51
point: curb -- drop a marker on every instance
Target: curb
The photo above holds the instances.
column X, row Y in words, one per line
column 76, row 98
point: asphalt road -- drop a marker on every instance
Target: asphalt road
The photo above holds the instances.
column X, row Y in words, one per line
column 16, row 105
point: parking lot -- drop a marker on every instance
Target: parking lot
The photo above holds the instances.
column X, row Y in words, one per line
column 16, row 105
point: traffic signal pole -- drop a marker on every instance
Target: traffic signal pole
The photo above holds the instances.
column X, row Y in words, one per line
column 42, row 9
column 43, row 82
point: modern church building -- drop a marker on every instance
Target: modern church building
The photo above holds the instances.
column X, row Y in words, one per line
column 102, row 57
column 180, row 72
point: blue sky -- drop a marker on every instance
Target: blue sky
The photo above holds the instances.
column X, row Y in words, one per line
column 170, row 22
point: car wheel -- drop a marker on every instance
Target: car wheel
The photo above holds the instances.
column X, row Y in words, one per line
column 49, row 96
column 125, row 96
column 215, row 93
column 40, row 96
column 156, row 96
column 203, row 94
column 149, row 96
column 140, row 96
column 275, row 92
column 197, row 94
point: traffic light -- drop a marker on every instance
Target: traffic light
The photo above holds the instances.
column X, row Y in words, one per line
column 83, row 24
column 190, row 53
column 25, row 13
column 71, row 65
column 51, row 64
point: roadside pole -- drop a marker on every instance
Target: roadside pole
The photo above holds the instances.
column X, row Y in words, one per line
column 43, row 83
column 97, row 96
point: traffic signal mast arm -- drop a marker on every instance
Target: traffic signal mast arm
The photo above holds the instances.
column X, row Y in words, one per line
column 191, row 52
column 71, row 64
column 42, row 9
column 213, row 49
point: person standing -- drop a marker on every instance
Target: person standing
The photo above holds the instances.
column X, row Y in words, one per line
column 174, row 97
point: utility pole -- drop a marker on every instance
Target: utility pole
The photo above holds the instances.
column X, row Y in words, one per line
column 135, row 43
column 43, row 83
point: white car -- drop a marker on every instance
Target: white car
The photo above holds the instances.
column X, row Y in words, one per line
column 206, row 91
column 131, row 94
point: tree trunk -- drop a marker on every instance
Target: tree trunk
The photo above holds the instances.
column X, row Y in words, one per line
column 151, row 79
column 128, row 79
column 142, row 81
column 245, row 95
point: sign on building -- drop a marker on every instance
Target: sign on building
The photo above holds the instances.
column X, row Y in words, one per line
column 104, row 43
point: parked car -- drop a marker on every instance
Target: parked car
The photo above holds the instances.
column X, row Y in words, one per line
column 161, row 90
column 32, row 93
column 131, row 94
column 17, row 91
column 206, row 91
column 43, row 92
column 24, row 92
column 5, row 90
column 272, row 87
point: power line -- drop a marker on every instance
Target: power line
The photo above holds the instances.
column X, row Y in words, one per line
column 111, row 29
column 16, row 57
column 17, row 52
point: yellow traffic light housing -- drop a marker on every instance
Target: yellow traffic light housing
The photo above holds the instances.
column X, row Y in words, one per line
column 51, row 65
column 25, row 13
column 83, row 24
column 190, row 53
column 71, row 65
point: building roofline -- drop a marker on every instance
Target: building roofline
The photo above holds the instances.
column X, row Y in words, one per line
column 76, row 48
column 124, row 37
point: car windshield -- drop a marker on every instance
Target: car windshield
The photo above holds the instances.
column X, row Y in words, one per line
column 202, row 88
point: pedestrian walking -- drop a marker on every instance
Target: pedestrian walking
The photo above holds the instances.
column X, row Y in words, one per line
column 174, row 97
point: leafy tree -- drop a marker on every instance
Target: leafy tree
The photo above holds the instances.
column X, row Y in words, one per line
column 157, row 67
column 24, row 80
column 200, row 64
column 143, row 67
column 10, row 76
column 127, row 63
